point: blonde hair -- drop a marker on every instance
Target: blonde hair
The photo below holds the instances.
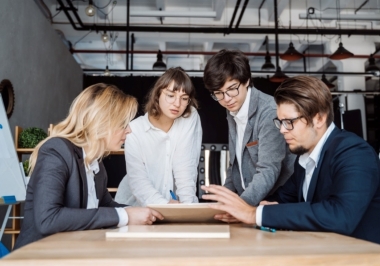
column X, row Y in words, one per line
column 95, row 114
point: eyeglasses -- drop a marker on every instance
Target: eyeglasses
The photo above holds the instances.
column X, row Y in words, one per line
column 171, row 98
column 287, row 123
column 219, row 95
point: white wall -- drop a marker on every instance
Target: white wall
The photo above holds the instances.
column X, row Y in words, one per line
column 44, row 75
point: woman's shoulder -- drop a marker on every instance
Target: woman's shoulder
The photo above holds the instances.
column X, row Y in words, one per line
column 59, row 144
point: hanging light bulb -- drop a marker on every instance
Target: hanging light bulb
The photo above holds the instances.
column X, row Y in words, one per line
column 372, row 68
column 291, row 54
column 279, row 76
column 107, row 72
column 268, row 62
column 159, row 64
column 90, row 10
column 105, row 37
column 341, row 53
column 327, row 82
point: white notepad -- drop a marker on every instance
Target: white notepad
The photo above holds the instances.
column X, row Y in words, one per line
column 171, row 231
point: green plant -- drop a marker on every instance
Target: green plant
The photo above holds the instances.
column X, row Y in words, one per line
column 30, row 137
column 25, row 164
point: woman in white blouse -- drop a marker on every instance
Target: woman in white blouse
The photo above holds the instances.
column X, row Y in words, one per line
column 162, row 152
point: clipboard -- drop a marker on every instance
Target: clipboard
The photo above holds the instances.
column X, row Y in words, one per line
column 186, row 213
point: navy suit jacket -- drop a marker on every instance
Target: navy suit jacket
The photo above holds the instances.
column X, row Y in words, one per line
column 56, row 198
column 343, row 196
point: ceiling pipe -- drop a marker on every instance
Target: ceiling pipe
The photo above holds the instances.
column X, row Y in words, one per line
column 241, row 13
column 261, row 5
column 360, row 7
column 223, row 30
column 127, row 35
column 198, row 53
column 181, row 14
column 233, row 16
column 341, row 17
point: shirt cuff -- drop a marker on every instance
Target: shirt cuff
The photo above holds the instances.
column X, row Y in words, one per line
column 123, row 216
column 259, row 215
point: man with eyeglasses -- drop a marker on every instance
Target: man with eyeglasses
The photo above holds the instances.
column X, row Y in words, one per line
column 259, row 158
column 336, row 182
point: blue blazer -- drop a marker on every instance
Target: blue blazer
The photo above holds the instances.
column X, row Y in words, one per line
column 343, row 196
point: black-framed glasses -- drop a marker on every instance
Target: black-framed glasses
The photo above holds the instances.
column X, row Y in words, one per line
column 287, row 123
column 219, row 95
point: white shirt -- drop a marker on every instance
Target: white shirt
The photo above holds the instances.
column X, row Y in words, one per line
column 309, row 162
column 241, row 120
column 155, row 159
column 92, row 200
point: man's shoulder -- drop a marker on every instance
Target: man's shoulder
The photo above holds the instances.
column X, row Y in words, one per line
column 263, row 100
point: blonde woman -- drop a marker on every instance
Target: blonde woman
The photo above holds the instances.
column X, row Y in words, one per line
column 162, row 153
column 67, row 189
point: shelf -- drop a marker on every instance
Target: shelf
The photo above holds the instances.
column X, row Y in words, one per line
column 11, row 231
column 24, row 151
column 119, row 152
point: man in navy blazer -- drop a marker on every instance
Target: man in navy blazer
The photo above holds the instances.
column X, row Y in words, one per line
column 335, row 186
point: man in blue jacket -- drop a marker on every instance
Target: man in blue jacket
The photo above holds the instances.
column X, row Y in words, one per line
column 335, row 186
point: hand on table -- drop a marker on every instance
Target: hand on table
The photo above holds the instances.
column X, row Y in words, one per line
column 231, row 203
column 139, row 215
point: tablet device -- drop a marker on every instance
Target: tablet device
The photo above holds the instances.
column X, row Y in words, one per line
column 186, row 213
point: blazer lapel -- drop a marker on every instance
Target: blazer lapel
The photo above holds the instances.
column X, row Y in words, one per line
column 314, row 178
column 83, row 177
column 253, row 102
column 233, row 135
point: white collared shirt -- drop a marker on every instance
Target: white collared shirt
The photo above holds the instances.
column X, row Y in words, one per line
column 92, row 200
column 156, row 159
column 241, row 120
column 309, row 163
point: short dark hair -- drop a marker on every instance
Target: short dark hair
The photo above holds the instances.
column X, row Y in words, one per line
column 224, row 66
column 309, row 95
column 181, row 82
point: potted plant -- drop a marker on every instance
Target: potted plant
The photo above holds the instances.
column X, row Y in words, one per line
column 30, row 137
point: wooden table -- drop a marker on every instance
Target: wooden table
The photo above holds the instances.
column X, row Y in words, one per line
column 247, row 246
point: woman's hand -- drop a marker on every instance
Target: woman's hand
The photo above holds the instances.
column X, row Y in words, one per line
column 172, row 201
column 139, row 215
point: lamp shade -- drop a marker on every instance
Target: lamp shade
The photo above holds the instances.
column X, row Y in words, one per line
column 341, row 53
column 328, row 83
column 159, row 64
column 372, row 68
column 268, row 63
column 279, row 76
column 291, row 54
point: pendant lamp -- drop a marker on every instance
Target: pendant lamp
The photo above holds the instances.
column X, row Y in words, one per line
column 372, row 68
column 279, row 76
column 291, row 54
column 159, row 64
column 341, row 53
column 328, row 83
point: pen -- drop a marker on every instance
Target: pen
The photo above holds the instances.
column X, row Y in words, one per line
column 173, row 195
column 264, row 228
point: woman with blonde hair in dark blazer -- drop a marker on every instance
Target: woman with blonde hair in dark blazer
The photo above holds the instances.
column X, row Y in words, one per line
column 67, row 190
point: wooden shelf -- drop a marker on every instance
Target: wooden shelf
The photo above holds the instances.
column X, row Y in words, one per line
column 119, row 152
column 11, row 231
column 24, row 151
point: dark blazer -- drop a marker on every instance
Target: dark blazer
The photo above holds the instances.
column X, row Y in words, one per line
column 266, row 160
column 343, row 196
column 57, row 192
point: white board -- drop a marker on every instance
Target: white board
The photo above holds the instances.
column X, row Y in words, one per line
column 171, row 231
column 12, row 182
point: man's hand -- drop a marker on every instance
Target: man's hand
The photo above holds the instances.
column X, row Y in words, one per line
column 138, row 215
column 231, row 203
column 172, row 201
